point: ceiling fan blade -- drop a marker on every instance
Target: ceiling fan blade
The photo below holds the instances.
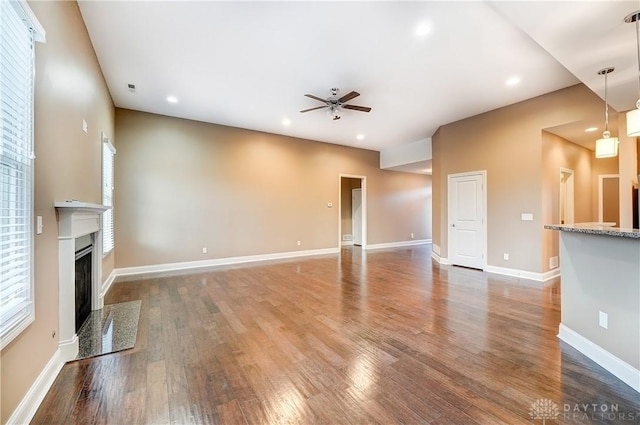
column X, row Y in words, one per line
column 313, row 109
column 357, row 108
column 316, row 98
column 347, row 97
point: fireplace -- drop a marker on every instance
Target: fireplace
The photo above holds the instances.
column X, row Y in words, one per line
column 83, row 285
column 79, row 226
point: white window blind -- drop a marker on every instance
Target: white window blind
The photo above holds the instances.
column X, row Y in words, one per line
column 108, row 155
column 18, row 29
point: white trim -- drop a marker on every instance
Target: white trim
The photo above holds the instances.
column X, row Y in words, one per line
column 614, row 365
column 523, row 274
column 106, row 285
column 440, row 260
column 482, row 173
column 39, row 34
column 159, row 268
column 398, row 244
column 29, row 404
column 346, row 243
column 69, row 348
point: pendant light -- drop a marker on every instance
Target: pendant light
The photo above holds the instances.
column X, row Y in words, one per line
column 606, row 147
column 633, row 117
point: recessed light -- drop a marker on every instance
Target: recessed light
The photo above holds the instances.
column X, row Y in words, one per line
column 422, row 30
column 172, row 99
column 590, row 129
column 360, row 137
column 286, row 122
column 512, row 81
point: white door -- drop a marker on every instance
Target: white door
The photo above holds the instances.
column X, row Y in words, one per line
column 356, row 215
column 466, row 220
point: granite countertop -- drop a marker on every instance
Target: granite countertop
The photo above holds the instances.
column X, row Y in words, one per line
column 605, row 229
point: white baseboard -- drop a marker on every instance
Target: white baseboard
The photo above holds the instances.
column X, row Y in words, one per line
column 346, row 243
column 106, row 285
column 160, row 268
column 617, row 367
column 397, row 244
column 523, row 274
column 551, row 274
column 439, row 259
column 28, row 407
column 68, row 350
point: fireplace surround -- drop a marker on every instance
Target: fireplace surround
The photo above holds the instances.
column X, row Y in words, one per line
column 76, row 219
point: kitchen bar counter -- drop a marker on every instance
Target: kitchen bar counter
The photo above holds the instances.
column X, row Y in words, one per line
column 604, row 229
column 600, row 295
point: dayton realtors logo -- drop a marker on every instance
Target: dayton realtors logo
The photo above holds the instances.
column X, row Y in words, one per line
column 547, row 410
column 544, row 409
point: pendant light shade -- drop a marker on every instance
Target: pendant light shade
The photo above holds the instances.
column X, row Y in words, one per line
column 607, row 146
column 633, row 123
column 633, row 116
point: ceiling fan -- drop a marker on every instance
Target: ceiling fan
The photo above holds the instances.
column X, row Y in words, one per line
column 336, row 104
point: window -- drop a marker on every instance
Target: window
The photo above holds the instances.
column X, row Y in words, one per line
column 108, row 154
column 18, row 31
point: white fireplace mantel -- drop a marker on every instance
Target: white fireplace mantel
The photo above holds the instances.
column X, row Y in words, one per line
column 76, row 219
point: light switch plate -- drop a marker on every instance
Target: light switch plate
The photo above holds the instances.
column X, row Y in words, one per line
column 526, row 217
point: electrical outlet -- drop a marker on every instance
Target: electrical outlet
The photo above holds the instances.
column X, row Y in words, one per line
column 299, row 243
column 204, row 250
column 505, row 256
column 85, row 126
column 603, row 319
column 412, row 236
column 553, row 262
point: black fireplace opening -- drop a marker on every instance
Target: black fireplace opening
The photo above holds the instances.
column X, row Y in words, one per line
column 83, row 285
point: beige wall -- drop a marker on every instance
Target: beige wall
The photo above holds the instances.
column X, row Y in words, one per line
column 507, row 143
column 183, row 185
column 69, row 87
column 560, row 153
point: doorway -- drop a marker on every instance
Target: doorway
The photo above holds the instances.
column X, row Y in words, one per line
column 566, row 203
column 467, row 200
column 356, row 216
column 609, row 198
column 352, row 222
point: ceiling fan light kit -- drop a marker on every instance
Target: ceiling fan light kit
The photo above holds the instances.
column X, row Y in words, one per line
column 633, row 117
column 336, row 105
column 607, row 146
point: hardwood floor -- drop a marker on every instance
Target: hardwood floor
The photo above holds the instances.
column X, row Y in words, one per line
column 383, row 337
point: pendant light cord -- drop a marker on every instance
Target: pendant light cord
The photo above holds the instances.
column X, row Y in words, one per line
column 638, row 46
column 606, row 104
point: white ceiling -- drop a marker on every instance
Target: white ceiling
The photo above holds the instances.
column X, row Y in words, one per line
column 248, row 64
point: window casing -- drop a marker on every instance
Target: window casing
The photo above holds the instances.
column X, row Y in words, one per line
column 18, row 31
column 108, row 159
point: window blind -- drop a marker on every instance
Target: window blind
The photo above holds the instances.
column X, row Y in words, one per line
column 16, row 171
column 108, row 153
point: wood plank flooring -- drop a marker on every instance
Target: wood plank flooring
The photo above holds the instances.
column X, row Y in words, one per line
column 382, row 337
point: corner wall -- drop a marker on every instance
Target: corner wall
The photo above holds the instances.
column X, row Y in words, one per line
column 69, row 87
column 507, row 143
